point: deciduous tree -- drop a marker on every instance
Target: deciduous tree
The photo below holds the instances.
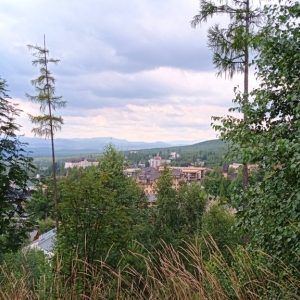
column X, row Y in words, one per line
column 101, row 214
column 178, row 215
column 269, row 137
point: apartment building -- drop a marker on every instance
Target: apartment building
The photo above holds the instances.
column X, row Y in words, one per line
column 81, row 163
column 157, row 161
column 189, row 173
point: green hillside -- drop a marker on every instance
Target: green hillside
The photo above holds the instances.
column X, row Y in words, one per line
column 211, row 152
column 211, row 145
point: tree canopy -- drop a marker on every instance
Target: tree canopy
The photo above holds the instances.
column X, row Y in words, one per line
column 269, row 211
column 15, row 168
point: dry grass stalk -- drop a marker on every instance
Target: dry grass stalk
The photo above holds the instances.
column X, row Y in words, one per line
column 168, row 274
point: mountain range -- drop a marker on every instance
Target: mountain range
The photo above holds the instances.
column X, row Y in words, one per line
column 65, row 146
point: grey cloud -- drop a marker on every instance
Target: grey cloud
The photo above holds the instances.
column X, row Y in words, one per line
column 125, row 38
column 84, row 49
column 111, row 35
column 87, row 101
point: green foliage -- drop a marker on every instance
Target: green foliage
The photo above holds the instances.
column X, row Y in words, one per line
column 192, row 201
column 45, row 225
column 166, row 224
column 178, row 215
column 15, row 167
column 215, row 184
column 29, row 263
column 269, row 137
column 231, row 45
column 218, row 223
column 101, row 212
column 44, row 85
column 40, row 205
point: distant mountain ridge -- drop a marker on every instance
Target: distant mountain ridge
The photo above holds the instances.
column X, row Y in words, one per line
column 64, row 146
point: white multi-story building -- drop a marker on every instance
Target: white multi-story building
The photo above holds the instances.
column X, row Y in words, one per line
column 155, row 162
column 81, row 163
column 174, row 155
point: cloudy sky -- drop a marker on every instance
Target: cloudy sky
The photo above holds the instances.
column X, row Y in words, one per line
column 132, row 69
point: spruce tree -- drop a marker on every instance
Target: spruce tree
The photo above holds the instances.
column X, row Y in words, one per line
column 46, row 123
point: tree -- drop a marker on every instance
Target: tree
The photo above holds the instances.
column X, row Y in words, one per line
column 231, row 45
column 40, row 205
column 15, row 168
column 178, row 215
column 218, row 223
column 192, row 202
column 102, row 212
column 28, row 263
column 166, row 218
column 270, row 210
column 215, row 184
column 47, row 123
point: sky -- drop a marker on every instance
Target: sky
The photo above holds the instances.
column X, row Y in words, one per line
column 130, row 69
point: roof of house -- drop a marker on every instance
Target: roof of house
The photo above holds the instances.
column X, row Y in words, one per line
column 157, row 158
column 149, row 173
column 45, row 242
column 176, row 172
column 149, row 170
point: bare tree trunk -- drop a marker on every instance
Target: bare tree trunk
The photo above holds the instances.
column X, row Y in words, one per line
column 246, row 83
column 52, row 145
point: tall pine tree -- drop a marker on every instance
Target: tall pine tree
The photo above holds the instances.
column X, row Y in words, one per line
column 47, row 124
column 231, row 45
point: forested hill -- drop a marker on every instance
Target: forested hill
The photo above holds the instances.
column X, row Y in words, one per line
column 211, row 152
column 211, row 145
column 206, row 146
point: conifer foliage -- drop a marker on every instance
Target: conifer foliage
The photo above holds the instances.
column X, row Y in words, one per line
column 15, row 166
column 231, row 46
column 47, row 123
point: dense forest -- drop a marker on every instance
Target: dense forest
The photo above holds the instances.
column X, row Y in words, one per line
column 216, row 238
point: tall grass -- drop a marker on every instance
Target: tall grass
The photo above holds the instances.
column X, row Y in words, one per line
column 168, row 274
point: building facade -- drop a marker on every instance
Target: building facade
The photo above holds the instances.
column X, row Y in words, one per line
column 81, row 163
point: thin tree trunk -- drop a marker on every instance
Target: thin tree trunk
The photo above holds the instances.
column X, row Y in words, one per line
column 52, row 145
column 246, row 83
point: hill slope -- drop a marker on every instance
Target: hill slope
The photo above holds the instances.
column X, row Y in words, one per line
column 211, row 145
